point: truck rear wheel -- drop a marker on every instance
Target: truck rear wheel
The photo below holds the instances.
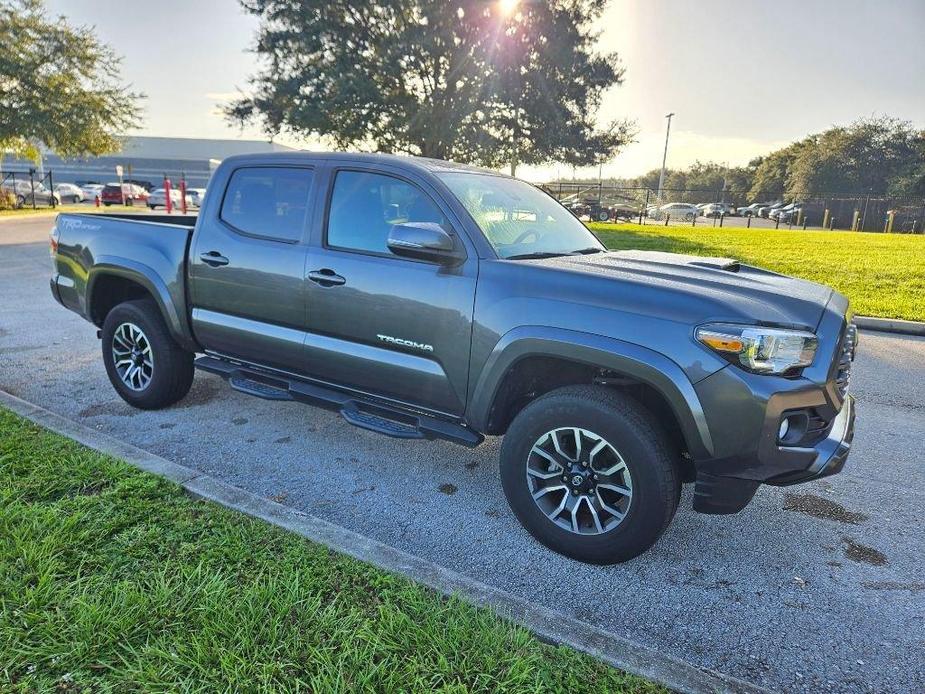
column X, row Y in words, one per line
column 146, row 366
column 590, row 474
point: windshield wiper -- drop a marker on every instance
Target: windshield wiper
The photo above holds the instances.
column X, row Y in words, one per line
column 588, row 251
column 538, row 254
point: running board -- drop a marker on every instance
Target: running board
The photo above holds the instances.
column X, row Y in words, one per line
column 366, row 414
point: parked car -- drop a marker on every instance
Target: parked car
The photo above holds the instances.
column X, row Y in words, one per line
column 447, row 302
column 92, row 190
column 717, row 209
column 158, row 198
column 68, row 192
column 677, row 211
column 25, row 193
column 196, row 196
column 751, row 210
column 766, row 210
column 792, row 213
column 147, row 185
column 775, row 212
column 111, row 195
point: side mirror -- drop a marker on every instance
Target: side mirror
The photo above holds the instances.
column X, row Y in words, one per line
column 422, row 241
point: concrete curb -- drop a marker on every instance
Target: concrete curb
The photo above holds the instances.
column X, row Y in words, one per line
column 548, row 625
column 890, row 325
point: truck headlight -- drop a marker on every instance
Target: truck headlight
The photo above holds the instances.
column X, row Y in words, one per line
column 758, row 349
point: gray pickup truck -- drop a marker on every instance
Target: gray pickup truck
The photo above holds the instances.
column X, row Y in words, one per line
column 423, row 299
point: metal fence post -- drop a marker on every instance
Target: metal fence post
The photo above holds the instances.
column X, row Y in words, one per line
column 667, row 217
column 32, row 186
column 722, row 216
column 51, row 187
column 748, row 223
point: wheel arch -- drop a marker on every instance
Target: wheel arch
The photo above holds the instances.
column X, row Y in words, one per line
column 565, row 357
column 111, row 281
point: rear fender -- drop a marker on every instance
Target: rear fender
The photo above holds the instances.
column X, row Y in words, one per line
column 147, row 277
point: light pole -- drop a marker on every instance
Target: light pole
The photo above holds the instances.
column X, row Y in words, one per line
column 661, row 177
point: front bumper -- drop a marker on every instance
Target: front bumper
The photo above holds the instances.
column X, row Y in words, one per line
column 721, row 494
column 744, row 412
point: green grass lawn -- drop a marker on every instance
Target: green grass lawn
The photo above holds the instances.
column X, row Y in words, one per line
column 113, row 579
column 882, row 274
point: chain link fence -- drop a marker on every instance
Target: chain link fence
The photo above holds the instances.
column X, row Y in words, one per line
column 20, row 189
column 602, row 202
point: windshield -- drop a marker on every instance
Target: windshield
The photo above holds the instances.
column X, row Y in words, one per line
column 518, row 219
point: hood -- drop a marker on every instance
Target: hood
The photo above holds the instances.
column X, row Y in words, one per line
column 700, row 289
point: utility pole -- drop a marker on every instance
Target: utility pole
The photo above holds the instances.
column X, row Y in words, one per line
column 661, row 178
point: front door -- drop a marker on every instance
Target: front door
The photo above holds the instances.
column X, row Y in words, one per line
column 394, row 327
column 247, row 266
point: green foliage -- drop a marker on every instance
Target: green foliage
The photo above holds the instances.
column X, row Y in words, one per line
column 862, row 266
column 455, row 80
column 59, row 86
column 115, row 580
column 874, row 155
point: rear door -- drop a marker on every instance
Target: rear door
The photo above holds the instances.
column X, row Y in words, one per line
column 247, row 265
column 393, row 327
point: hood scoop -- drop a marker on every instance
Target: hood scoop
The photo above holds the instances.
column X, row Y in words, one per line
column 662, row 257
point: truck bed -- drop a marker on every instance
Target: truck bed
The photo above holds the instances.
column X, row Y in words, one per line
column 149, row 251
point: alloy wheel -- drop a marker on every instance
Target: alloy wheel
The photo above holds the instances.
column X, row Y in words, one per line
column 579, row 481
column 132, row 356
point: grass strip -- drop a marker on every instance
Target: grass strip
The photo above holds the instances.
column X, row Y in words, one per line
column 112, row 579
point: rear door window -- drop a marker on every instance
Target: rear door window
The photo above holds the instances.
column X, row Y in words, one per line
column 268, row 201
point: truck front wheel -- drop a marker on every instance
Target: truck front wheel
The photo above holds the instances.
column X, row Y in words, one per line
column 590, row 474
column 146, row 366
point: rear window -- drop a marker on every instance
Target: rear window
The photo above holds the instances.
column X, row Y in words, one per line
column 110, row 189
column 268, row 201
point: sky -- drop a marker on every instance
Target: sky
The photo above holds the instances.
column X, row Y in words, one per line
column 743, row 77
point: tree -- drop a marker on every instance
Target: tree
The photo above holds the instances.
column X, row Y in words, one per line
column 773, row 173
column 453, row 80
column 59, row 86
column 863, row 157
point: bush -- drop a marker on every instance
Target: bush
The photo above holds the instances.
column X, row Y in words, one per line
column 7, row 200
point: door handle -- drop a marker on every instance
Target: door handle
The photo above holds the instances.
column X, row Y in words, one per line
column 326, row 277
column 213, row 258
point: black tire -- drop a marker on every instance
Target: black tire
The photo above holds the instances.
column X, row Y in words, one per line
column 644, row 447
column 603, row 216
column 172, row 372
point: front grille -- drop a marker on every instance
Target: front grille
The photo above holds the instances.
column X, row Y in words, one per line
column 846, row 353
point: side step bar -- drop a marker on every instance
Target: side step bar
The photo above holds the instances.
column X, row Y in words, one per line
column 366, row 414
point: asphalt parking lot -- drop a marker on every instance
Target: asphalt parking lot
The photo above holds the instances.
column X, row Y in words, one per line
column 812, row 588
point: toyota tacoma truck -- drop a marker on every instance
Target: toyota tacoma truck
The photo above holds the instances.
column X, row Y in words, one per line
column 427, row 300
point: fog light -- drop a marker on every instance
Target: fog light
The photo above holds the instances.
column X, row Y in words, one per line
column 784, row 428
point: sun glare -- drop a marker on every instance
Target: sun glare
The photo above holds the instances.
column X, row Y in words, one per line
column 507, row 7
